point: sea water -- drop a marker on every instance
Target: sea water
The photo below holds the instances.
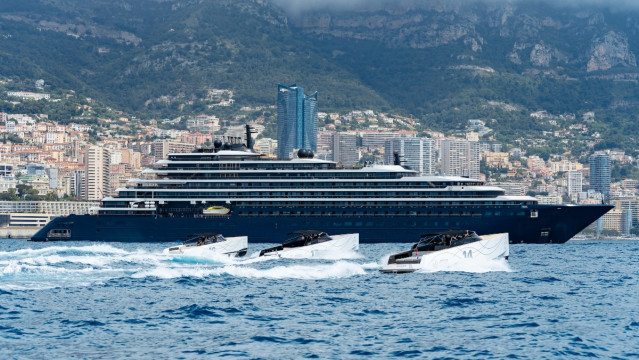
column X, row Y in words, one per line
column 96, row 300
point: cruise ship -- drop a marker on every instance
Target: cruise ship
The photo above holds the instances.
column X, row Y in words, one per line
column 233, row 190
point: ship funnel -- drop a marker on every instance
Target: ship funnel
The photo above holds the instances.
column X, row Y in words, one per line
column 396, row 159
column 249, row 138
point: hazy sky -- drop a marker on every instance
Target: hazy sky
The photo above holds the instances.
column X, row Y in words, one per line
column 296, row 6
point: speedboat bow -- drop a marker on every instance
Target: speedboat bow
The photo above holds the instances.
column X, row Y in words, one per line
column 451, row 248
column 210, row 243
column 309, row 243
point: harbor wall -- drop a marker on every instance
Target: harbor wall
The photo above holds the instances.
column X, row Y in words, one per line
column 22, row 232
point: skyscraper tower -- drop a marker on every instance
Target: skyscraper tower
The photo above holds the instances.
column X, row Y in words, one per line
column 96, row 181
column 600, row 175
column 345, row 149
column 460, row 158
column 296, row 120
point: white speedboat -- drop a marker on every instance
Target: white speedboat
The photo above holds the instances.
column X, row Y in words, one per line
column 210, row 243
column 449, row 249
column 310, row 243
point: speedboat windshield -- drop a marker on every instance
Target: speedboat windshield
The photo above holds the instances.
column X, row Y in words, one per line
column 204, row 239
column 430, row 242
column 306, row 237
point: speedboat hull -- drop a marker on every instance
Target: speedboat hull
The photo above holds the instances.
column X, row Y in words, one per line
column 490, row 247
column 338, row 245
column 232, row 246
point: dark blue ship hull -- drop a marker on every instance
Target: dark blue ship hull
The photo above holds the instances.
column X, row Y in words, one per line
column 549, row 224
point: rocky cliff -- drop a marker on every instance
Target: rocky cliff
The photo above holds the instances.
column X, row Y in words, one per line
column 529, row 34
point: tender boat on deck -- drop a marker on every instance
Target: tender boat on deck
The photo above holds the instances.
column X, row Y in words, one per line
column 451, row 248
column 216, row 210
column 309, row 243
column 210, row 243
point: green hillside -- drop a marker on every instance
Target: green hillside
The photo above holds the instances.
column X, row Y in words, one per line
column 442, row 65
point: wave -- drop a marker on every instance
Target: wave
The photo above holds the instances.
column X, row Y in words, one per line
column 72, row 266
column 340, row 269
column 90, row 249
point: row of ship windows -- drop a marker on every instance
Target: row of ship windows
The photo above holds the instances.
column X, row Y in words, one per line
column 317, row 194
column 382, row 213
column 194, row 176
column 248, row 166
column 378, row 204
column 382, row 204
column 309, row 184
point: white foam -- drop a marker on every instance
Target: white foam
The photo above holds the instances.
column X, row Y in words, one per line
column 340, row 269
column 204, row 258
column 95, row 248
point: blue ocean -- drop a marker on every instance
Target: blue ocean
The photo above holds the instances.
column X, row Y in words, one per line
column 95, row 300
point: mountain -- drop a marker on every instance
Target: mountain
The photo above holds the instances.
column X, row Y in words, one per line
column 442, row 61
column 141, row 54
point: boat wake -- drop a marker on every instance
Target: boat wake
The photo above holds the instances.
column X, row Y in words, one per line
column 316, row 271
column 78, row 266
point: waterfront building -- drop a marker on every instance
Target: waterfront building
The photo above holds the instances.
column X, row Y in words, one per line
column 631, row 205
column 460, row 158
column 296, row 120
column 47, row 207
column 600, row 174
column 96, row 181
column 416, row 153
column 618, row 220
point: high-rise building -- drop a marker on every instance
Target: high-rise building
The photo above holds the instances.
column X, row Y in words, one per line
column 575, row 182
column 600, row 174
column 460, row 158
column 296, row 120
column 96, row 183
column 379, row 138
column 418, row 154
column 345, row 149
column 76, row 183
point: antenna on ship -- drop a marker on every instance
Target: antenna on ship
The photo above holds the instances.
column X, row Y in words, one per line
column 249, row 139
